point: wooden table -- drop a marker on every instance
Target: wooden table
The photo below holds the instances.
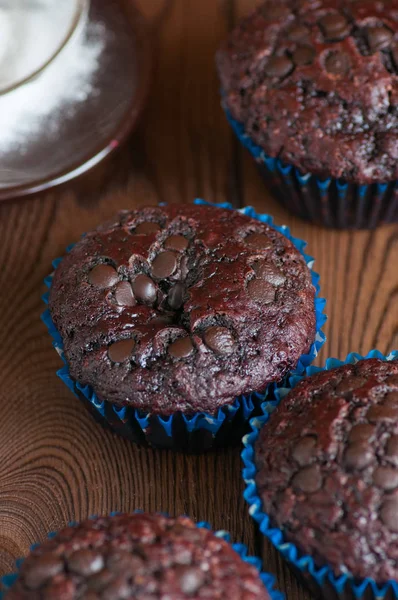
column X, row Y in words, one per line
column 56, row 464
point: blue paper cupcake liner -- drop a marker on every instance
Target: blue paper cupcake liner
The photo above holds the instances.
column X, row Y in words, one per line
column 320, row 580
column 7, row 581
column 201, row 431
column 329, row 202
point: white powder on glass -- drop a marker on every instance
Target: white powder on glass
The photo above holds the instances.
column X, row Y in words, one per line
column 40, row 104
column 32, row 31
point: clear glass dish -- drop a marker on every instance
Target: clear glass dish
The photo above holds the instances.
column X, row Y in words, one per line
column 32, row 34
column 73, row 114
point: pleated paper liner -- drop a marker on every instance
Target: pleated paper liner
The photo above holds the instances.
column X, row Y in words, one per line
column 328, row 202
column 197, row 432
column 319, row 579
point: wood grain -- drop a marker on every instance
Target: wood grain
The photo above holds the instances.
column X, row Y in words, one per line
column 55, row 463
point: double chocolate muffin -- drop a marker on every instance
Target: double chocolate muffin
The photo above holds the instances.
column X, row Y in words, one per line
column 182, row 308
column 327, row 466
column 140, row 556
column 315, row 84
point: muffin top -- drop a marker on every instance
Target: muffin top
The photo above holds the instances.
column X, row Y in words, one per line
column 140, row 556
column 328, row 468
column 182, row 308
column 315, row 83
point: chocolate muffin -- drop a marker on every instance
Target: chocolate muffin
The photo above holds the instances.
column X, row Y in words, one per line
column 140, row 556
column 182, row 308
column 327, row 469
column 315, row 84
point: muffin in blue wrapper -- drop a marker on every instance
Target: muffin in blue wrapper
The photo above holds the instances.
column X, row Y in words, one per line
column 334, row 472
column 104, row 555
column 306, row 90
column 330, row 202
column 190, row 431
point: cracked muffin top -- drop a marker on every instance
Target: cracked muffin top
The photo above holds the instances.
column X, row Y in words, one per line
column 182, row 308
column 328, row 468
column 315, row 83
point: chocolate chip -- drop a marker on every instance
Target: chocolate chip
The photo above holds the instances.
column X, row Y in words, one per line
column 124, row 294
column 103, row 276
column 362, row 433
column 303, row 451
column 392, row 449
column 144, row 289
column 175, row 296
column 176, row 242
column 303, row 55
column 120, row 561
column 297, row 32
column 99, row 580
column 59, row 589
column 181, row 348
column 389, row 514
column 258, row 241
column 334, row 26
column 379, row 37
column 219, row 339
column 379, row 413
column 262, row 292
column 43, row 568
column 278, row 66
column 347, row 384
column 85, row 562
column 308, row 479
column 164, row 265
column 162, row 320
column 147, row 227
column 358, row 456
column 386, row 478
column 266, row 271
column 191, row 579
column 121, row 351
column 338, row 63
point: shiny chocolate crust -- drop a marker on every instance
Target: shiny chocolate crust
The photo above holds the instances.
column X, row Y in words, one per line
column 138, row 556
column 328, row 468
column 182, row 308
column 315, row 83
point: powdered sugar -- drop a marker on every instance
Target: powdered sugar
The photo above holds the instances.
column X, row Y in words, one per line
column 55, row 93
column 31, row 33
